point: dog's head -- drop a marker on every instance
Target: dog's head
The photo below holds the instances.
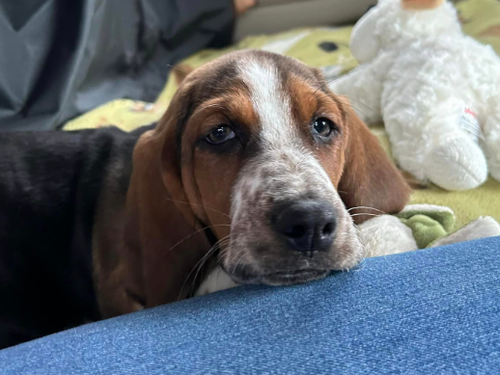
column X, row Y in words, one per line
column 271, row 161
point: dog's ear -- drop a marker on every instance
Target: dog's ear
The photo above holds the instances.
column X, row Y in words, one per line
column 180, row 72
column 160, row 223
column 369, row 179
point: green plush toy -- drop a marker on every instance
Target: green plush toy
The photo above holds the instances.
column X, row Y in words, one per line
column 421, row 226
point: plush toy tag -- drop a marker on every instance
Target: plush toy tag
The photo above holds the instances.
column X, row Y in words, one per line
column 468, row 122
column 421, row 4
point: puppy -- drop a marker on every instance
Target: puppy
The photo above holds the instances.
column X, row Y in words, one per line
column 255, row 164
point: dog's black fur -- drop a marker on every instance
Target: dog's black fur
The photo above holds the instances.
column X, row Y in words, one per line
column 50, row 183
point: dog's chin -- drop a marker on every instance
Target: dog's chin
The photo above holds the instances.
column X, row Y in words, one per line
column 293, row 277
column 286, row 277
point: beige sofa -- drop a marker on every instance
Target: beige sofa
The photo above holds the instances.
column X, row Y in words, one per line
column 270, row 16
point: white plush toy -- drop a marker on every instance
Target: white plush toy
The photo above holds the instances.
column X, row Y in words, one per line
column 437, row 91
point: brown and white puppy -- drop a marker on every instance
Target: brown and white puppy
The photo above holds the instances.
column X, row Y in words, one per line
column 255, row 164
column 254, row 157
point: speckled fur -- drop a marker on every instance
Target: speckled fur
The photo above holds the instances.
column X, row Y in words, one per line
column 284, row 170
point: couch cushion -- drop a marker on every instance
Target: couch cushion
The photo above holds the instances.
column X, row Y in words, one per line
column 271, row 16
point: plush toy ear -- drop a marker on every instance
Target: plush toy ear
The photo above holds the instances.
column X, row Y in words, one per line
column 364, row 44
column 421, row 4
column 161, row 225
column 369, row 178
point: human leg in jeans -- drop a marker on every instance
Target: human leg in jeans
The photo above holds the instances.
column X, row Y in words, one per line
column 434, row 311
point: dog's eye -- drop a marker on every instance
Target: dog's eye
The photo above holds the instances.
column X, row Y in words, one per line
column 220, row 134
column 323, row 126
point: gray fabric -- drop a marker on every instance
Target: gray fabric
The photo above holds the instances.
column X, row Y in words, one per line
column 62, row 58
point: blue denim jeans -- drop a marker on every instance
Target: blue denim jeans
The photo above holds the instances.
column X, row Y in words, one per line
column 434, row 311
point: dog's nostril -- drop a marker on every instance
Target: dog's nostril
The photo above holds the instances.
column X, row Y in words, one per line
column 327, row 229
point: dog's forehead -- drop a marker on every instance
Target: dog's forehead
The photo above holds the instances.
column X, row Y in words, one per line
column 250, row 70
column 261, row 89
column 282, row 67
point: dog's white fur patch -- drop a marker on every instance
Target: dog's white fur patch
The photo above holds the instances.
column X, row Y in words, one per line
column 215, row 281
column 270, row 101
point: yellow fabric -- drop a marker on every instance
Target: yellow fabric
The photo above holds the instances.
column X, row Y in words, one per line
column 480, row 19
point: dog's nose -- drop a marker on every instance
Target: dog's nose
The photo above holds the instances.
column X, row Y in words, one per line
column 308, row 226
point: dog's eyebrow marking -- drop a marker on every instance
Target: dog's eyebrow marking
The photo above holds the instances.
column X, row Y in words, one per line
column 340, row 107
column 198, row 111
